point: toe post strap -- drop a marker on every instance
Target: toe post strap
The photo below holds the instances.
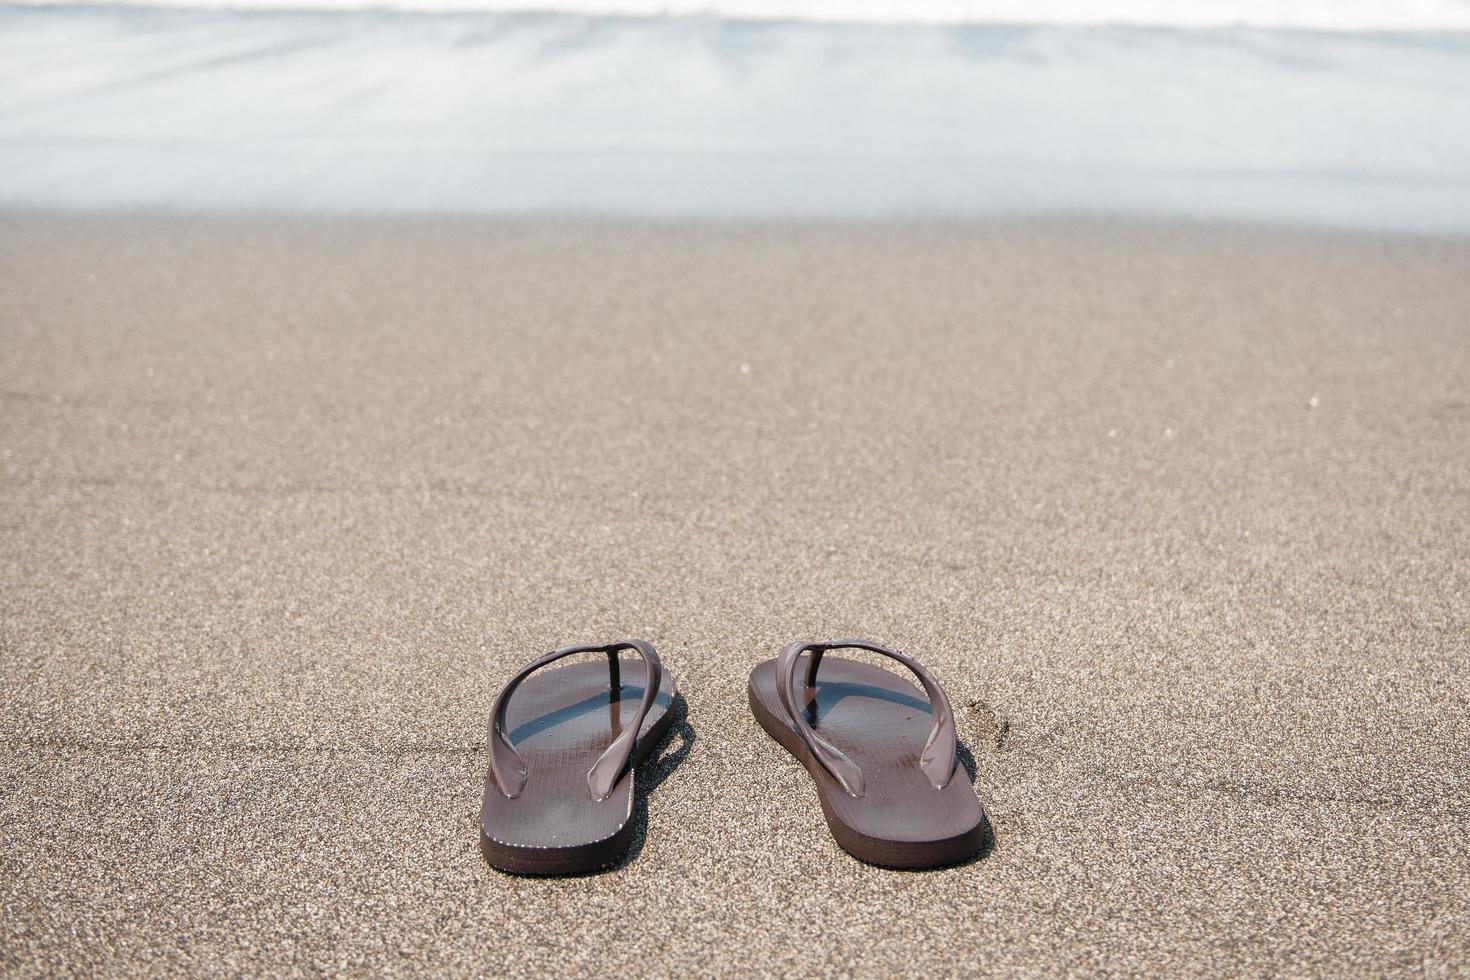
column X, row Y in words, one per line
column 937, row 761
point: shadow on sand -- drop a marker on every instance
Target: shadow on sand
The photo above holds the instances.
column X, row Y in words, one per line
column 653, row 772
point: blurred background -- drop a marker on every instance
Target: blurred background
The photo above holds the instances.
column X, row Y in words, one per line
column 1348, row 113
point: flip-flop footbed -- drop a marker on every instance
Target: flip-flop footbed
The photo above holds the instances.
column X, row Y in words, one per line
column 880, row 721
column 560, row 720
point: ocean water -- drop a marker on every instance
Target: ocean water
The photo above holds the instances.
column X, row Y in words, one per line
column 1328, row 113
column 1331, row 15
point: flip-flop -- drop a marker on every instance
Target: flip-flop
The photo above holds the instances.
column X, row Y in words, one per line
column 883, row 759
column 563, row 750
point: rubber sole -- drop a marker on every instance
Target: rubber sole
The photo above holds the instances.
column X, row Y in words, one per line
column 909, row 855
column 577, row 858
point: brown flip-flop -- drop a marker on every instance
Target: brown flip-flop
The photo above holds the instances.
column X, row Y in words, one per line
column 882, row 757
column 563, row 750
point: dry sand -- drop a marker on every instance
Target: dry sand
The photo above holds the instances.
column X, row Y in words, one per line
column 1179, row 516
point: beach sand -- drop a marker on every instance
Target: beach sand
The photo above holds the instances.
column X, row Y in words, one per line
column 1177, row 514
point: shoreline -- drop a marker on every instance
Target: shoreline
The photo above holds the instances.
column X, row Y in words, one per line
column 1055, row 225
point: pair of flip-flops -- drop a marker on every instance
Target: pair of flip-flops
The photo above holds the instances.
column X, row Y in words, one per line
column 564, row 744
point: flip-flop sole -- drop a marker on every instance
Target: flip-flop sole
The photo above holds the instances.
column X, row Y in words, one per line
column 880, row 721
column 560, row 721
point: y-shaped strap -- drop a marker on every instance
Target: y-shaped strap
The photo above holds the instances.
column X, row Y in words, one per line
column 507, row 766
column 938, row 758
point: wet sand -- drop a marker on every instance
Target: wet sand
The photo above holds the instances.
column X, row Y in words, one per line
column 1177, row 514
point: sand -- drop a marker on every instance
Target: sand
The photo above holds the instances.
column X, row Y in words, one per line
column 1177, row 514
